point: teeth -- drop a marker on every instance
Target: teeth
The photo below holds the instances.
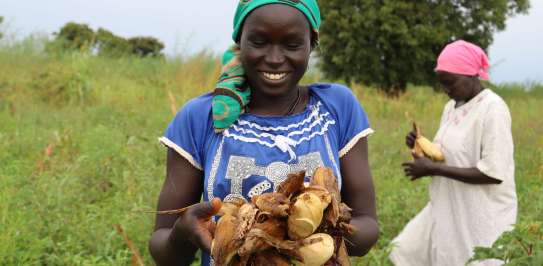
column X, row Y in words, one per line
column 274, row 76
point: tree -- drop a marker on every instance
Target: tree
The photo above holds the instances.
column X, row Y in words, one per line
column 389, row 43
column 146, row 46
column 109, row 44
column 76, row 36
column 104, row 42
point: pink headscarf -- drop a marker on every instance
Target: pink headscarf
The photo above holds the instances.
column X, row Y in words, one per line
column 461, row 57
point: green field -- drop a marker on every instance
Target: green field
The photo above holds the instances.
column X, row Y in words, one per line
column 79, row 152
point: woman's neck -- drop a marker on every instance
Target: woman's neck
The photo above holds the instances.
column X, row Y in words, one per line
column 292, row 103
column 477, row 88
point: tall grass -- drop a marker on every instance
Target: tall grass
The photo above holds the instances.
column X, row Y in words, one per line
column 79, row 151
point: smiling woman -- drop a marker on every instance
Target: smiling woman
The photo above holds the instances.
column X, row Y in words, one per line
column 275, row 48
column 258, row 126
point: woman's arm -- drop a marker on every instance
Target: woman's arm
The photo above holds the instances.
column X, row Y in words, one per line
column 357, row 191
column 422, row 166
column 177, row 237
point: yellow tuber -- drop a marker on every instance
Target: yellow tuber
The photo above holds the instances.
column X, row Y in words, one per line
column 318, row 249
column 306, row 215
column 424, row 147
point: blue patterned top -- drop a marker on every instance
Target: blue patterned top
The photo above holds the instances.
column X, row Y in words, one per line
column 256, row 153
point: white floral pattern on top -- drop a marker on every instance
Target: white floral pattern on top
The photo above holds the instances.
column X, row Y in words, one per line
column 316, row 124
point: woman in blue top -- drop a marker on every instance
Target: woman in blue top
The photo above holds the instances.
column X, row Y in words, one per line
column 221, row 145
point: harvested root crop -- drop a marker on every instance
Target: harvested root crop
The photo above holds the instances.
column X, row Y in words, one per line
column 223, row 247
column 297, row 224
column 425, row 148
column 306, row 215
column 316, row 250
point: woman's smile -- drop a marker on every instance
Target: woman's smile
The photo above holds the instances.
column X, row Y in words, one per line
column 274, row 77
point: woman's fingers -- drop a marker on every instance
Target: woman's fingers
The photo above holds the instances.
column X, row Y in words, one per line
column 198, row 225
column 409, row 142
column 415, row 155
column 205, row 210
column 203, row 238
column 410, row 139
column 203, row 213
column 407, row 168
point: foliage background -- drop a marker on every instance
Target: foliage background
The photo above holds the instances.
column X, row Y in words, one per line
column 79, row 151
column 80, row 37
column 389, row 44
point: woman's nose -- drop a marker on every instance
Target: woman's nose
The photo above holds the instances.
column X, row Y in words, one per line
column 275, row 56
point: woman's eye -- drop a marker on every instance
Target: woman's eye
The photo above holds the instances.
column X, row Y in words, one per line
column 258, row 42
column 293, row 45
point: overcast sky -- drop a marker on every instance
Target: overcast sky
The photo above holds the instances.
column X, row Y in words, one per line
column 186, row 26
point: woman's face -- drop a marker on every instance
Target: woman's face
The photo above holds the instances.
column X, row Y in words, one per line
column 275, row 47
column 458, row 87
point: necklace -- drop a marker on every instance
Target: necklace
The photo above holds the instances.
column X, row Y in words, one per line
column 292, row 106
column 295, row 103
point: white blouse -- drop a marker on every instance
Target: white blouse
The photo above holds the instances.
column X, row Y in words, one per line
column 461, row 216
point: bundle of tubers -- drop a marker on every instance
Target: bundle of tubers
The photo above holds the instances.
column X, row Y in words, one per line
column 297, row 224
column 425, row 148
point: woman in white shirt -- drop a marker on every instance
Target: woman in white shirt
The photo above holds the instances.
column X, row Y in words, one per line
column 472, row 195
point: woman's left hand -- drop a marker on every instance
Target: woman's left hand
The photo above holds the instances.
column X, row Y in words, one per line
column 419, row 167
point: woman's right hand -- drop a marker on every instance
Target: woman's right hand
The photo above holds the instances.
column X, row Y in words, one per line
column 410, row 139
column 196, row 224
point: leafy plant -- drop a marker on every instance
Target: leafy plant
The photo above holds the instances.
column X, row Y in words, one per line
column 60, row 84
column 522, row 246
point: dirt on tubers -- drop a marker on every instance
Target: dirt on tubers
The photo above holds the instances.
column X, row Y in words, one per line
column 296, row 225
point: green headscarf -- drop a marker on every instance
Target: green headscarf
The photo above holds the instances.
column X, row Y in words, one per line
column 232, row 94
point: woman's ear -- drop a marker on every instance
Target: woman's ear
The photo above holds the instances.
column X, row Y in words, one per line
column 313, row 40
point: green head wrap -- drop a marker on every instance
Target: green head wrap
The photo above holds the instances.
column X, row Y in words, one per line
column 231, row 94
column 310, row 8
